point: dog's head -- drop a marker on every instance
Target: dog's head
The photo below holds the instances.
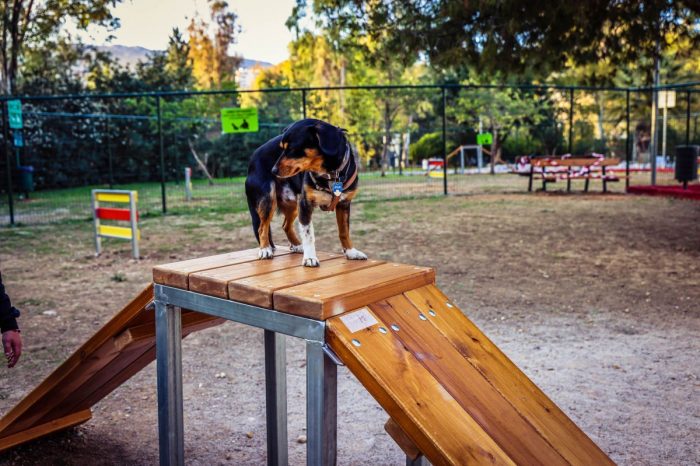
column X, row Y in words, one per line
column 310, row 145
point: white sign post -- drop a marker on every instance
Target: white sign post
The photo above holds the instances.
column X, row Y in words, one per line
column 667, row 99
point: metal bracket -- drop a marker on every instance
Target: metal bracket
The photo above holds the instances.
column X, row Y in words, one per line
column 331, row 355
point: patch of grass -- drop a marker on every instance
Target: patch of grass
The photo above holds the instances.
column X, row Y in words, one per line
column 118, row 277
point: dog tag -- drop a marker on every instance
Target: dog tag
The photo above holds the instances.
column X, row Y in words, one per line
column 337, row 188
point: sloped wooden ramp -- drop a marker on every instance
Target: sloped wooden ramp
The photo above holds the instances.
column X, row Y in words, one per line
column 450, row 390
column 120, row 349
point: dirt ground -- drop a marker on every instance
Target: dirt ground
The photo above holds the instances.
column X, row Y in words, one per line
column 596, row 297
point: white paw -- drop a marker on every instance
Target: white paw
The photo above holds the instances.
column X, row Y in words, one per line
column 296, row 248
column 266, row 253
column 355, row 255
column 310, row 262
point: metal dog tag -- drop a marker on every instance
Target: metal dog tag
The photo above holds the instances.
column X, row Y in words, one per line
column 337, row 188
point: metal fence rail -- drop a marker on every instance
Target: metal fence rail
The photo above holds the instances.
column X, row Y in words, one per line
column 144, row 141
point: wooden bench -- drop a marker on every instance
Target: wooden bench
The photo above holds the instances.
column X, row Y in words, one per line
column 564, row 168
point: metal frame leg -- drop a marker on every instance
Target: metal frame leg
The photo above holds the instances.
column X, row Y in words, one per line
column 276, row 398
column 169, row 373
column 321, row 406
column 420, row 461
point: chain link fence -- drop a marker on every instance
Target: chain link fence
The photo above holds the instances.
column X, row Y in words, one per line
column 413, row 141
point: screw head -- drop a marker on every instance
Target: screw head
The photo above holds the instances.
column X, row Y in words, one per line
column 356, row 342
column 395, row 327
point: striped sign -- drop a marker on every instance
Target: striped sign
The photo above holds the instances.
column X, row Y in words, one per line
column 115, row 214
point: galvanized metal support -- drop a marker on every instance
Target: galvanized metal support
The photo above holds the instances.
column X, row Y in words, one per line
column 303, row 103
column 420, row 461
column 628, row 157
column 687, row 118
column 162, row 155
column 444, row 139
column 134, row 224
column 169, row 373
column 571, row 119
column 276, row 398
column 321, row 406
column 8, row 162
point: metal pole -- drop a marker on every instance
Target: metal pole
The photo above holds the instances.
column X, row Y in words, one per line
column 444, row 139
column 8, row 163
column 654, row 111
column 109, row 155
column 627, row 143
column 276, row 398
column 687, row 118
column 303, row 103
column 162, row 155
column 133, row 217
column 571, row 119
column 169, row 379
column 321, row 406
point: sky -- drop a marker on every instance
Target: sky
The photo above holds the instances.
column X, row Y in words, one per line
column 148, row 23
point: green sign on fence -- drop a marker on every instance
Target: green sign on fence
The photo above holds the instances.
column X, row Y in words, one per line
column 484, row 138
column 239, row 120
column 14, row 113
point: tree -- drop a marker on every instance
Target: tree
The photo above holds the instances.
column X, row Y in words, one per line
column 209, row 47
column 35, row 23
column 518, row 35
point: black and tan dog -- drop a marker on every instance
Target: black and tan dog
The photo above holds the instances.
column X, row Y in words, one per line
column 310, row 164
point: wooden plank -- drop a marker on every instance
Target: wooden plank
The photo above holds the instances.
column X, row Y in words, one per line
column 115, row 197
column 258, row 290
column 324, row 298
column 112, row 231
column 176, row 274
column 191, row 322
column 402, row 440
column 499, row 419
column 431, row 418
column 214, row 282
column 56, row 425
column 571, row 442
column 66, row 370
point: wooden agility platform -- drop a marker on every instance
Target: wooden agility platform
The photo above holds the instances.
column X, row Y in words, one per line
column 451, row 394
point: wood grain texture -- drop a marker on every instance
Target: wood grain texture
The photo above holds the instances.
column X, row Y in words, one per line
column 259, row 290
column 499, row 419
column 68, row 369
column 549, row 420
column 214, row 282
column 42, row 430
column 431, row 418
column 325, row 298
column 176, row 274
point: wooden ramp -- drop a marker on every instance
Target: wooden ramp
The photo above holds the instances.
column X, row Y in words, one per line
column 451, row 393
column 120, row 349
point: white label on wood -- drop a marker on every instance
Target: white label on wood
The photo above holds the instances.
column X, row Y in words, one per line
column 358, row 320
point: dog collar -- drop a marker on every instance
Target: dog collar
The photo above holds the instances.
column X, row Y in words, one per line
column 335, row 174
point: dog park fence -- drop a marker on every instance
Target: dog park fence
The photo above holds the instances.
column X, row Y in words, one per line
column 67, row 145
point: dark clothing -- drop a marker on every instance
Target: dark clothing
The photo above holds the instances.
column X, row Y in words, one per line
column 8, row 313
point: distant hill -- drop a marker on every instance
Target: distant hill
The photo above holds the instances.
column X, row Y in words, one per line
column 130, row 56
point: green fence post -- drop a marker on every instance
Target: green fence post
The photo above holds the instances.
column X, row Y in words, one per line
column 444, row 139
column 571, row 119
column 8, row 162
column 162, row 155
column 628, row 157
column 303, row 103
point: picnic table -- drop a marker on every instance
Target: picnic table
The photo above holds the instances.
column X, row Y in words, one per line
column 550, row 169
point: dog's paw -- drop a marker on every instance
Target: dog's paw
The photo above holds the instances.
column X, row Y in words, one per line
column 266, row 253
column 310, row 262
column 355, row 255
column 296, row 248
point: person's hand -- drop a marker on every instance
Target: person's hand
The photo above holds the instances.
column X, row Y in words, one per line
column 12, row 344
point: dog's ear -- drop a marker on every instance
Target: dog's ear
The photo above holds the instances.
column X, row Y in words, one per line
column 330, row 139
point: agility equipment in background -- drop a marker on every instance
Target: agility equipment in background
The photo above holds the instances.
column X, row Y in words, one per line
column 451, row 395
column 130, row 214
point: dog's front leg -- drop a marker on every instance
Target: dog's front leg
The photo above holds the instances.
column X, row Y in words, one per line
column 306, row 230
column 342, row 216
